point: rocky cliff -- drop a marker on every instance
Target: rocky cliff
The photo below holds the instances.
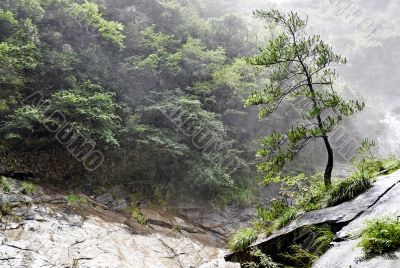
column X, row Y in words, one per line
column 42, row 229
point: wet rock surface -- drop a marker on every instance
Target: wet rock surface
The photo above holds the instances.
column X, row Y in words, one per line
column 347, row 254
column 42, row 230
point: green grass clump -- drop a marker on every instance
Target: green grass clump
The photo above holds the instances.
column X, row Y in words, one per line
column 28, row 188
column 370, row 168
column 74, row 199
column 276, row 210
column 313, row 197
column 5, row 209
column 5, row 184
column 299, row 257
column 347, row 190
column 134, row 210
column 287, row 216
column 322, row 242
column 138, row 215
column 277, row 216
column 381, row 236
column 391, row 165
column 242, row 239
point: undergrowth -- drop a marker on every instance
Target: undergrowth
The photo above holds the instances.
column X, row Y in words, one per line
column 381, row 236
column 299, row 257
column 135, row 212
column 264, row 261
column 5, row 184
column 347, row 190
column 243, row 238
column 28, row 188
column 74, row 199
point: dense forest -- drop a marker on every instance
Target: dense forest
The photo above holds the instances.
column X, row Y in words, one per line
column 147, row 93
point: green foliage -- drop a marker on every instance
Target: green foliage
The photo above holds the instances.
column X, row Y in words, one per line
column 313, row 196
column 5, row 184
column 276, row 209
column 19, row 42
column 74, row 199
column 241, row 239
column 299, row 257
column 89, row 13
column 324, row 237
column 6, row 209
column 86, row 108
column 137, row 215
column 277, row 216
column 168, row 54
column 28, row 188
column 264, row 261
column 381, row 236
column 348, row 189
column 240, row 195
column 369, row 165
column 134, row 210
column 181, row 112
column 300, row 69
column 283, row 220
column 90, row 110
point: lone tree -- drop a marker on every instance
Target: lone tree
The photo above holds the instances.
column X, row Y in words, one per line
column 300, row 73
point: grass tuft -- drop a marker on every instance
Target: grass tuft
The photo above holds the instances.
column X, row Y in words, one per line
column 5, row 184
column 138, row 215
column 299, row 257
column 74, row 199
column 322, row 242
column 347, row 190
column 287, row 216
column 242, row 239
column 6, row 209
column 28, row 188
column 381, row 236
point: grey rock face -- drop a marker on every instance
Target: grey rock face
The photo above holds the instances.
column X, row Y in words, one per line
column 347, row 254
column 348, row 219
column 59, row 240
column 45, row 231
column 106, row 199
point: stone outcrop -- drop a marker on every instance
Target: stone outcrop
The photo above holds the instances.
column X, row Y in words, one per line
column 43, row 230
column 347, row 220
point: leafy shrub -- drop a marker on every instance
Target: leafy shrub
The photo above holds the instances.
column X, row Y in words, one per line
column 313, row 197
column 74, row 199
column 5, row 184
column 267, row 215
column 137, row 215
column 28, row 188
column 264, row 261
column 348, row 189
column 242, row 239
column 381, row 236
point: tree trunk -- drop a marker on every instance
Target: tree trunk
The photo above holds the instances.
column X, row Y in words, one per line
column 329, row 165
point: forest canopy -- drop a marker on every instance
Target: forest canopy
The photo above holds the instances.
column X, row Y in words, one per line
column 118, row 73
